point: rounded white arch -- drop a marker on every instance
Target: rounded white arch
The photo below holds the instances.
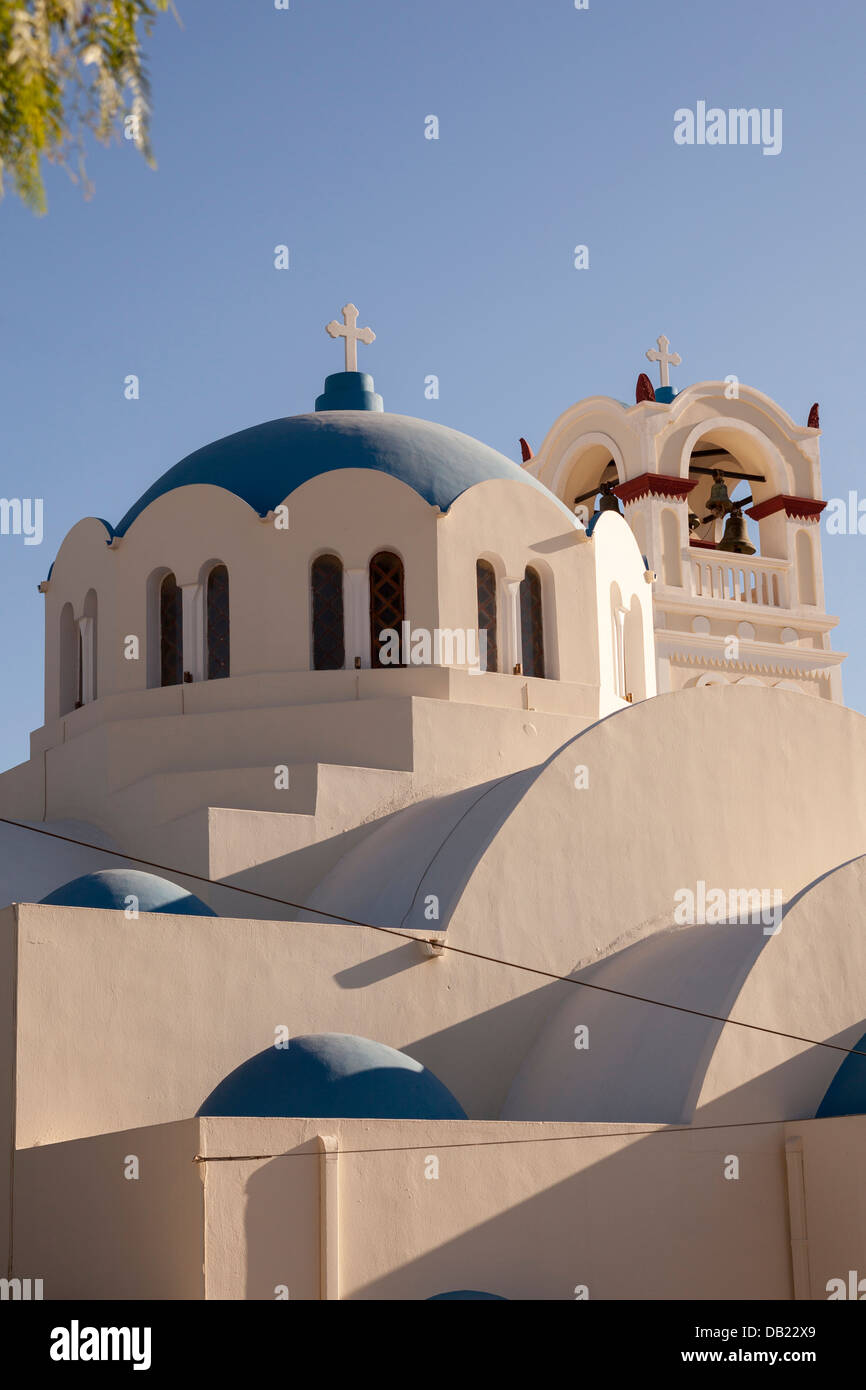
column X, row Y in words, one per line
column 773, row 464
column 746, row 395
column 591, row 440
column 153, row 658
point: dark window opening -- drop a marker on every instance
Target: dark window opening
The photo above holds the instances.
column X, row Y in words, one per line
column 326, row 583
column 531, row 626
column 218, row 650
column 387, row 609
column 485, row 579
column 170, row 632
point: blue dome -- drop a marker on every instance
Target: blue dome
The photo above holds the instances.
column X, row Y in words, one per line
column 466, row 1294
column 846, row 1094
column 333, row 1075
column 264, row 464
column 111, row 887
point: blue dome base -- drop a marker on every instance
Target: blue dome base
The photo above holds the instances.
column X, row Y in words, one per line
column 112, row 888
column 265, row 464
column 464, row 1295
column 335, row 1076
column 846, row 1094
column 349, row 391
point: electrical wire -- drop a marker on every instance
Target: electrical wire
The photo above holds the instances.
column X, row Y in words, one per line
column 337, row 919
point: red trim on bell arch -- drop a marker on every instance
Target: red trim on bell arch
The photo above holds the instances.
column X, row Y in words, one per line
column 797, row 508
column 655, row 485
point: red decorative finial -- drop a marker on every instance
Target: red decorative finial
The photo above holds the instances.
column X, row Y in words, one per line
column 525, row 451
column 644, row 389
column 813, row 418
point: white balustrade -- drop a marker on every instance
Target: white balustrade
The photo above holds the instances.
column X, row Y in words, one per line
column 743, row 579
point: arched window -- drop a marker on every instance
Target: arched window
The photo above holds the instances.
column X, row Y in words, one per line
column 485, row 582
column 218, row 650
column 170, row 632
column 326, row 595
column 87, row 636
column 531, row 624
column 387, row 609
column 68, row 659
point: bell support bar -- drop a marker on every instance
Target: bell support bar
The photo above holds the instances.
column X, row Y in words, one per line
column 741, row 477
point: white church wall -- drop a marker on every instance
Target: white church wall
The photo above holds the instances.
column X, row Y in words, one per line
column 83, row 563
column 22, row 791
column 215, row 744
column 635, row 804
column 429, row 1206
column 519, row 528
column 108, row 982
column 803, row 979
column 353, row 513
column 144, row 778
column 539, row 1229
column 522, row 1219
column 807, row 980
column 647, row 800
column 33, row 864
column 114, row 1216
column 624, row 614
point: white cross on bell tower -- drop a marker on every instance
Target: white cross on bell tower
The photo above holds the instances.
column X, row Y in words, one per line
column 664, row 358
column 353, row 335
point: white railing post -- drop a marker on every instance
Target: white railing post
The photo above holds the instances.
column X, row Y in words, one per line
column 740, row 580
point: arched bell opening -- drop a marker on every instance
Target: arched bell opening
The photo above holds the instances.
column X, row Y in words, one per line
column 593, row 463
column 725, row 488
column 730, row 464
column 600, row 497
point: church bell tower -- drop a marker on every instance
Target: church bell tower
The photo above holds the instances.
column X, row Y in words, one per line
column 722, row 491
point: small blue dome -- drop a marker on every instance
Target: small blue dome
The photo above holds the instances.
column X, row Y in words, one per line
column 846, row 1094
column 264, row 464
column 111, row 887
column 333, row 1075
column 464, row 1294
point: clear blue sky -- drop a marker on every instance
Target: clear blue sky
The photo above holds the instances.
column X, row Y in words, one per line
column 306, row 127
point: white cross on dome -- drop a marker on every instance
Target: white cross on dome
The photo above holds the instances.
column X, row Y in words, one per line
column 353, row 335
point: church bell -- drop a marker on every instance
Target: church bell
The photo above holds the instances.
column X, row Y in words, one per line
column 736, row 537
column 719, row 502
column 609, row 501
